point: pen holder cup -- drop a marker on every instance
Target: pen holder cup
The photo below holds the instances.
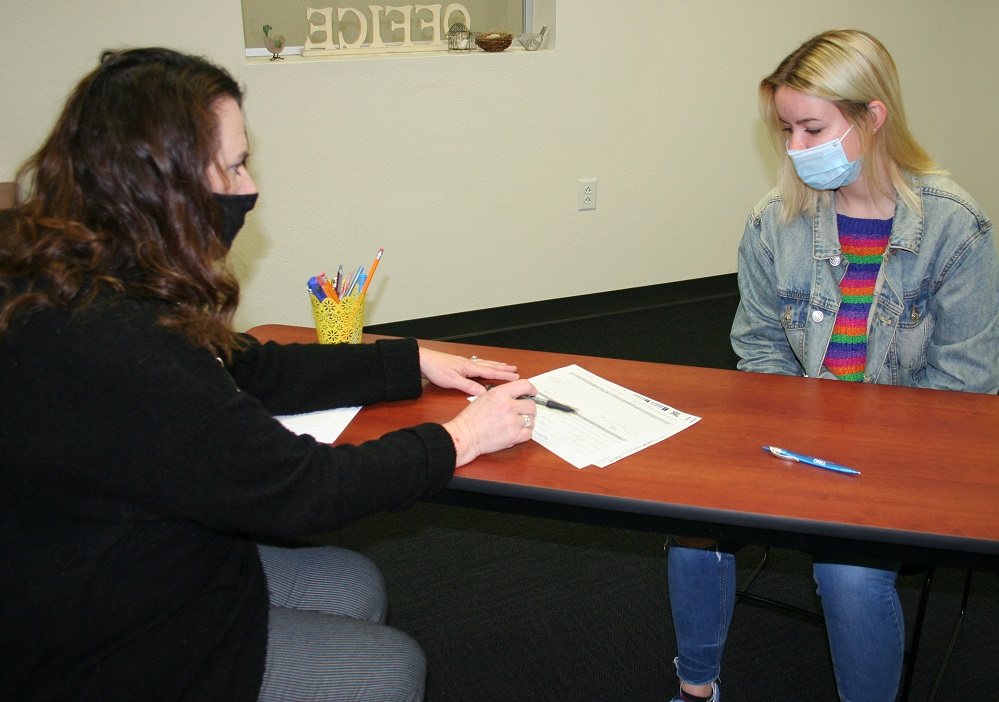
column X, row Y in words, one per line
column 339, row 322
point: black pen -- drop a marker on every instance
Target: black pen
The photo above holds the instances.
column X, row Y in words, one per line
column 550, row 404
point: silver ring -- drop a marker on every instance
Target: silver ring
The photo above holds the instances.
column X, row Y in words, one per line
column 475, row 359
column 527, row 421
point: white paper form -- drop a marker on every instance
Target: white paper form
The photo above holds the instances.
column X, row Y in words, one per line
column 610, row 421
column 324, row 426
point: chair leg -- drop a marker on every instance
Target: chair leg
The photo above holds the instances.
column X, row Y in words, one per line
column 917, row 630
column 782, row 605
column 743, row 593
column 756, row 571
column 953, row 637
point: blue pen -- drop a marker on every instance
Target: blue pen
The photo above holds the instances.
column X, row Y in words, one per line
column 316, row 289
column 357, row 277
column 801, row 458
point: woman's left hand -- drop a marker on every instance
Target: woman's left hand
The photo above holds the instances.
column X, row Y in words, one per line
column 449, row 371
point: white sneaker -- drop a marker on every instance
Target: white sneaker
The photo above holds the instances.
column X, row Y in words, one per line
column 715, row 694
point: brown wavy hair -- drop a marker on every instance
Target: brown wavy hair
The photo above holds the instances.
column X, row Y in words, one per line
column 118, row 201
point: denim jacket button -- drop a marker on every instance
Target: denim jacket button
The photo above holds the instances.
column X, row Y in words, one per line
column 835, row 260
column 817, row 316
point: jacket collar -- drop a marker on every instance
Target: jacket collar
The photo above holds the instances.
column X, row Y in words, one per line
column 906, row 228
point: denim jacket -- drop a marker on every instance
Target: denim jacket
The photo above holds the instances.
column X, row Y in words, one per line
column 934, row 321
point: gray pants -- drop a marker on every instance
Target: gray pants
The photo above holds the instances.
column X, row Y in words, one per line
column 326, row 634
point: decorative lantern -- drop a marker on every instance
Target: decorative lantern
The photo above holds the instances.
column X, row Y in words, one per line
column 460, row 38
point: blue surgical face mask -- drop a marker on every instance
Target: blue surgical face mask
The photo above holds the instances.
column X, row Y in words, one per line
column 825, row 167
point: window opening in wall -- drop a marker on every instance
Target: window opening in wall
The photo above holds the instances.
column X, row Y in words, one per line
column 333, row 27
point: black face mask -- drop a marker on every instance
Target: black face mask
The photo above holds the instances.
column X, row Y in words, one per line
column 233, row 209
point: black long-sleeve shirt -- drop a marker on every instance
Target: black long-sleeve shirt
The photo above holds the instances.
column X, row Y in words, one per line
column 133, row 464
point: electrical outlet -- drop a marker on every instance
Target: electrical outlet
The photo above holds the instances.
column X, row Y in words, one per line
column 587, row 194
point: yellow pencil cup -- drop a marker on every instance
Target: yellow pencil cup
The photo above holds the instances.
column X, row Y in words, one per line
column 339, row 322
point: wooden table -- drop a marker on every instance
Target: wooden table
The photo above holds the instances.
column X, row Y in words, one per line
column 928, row 493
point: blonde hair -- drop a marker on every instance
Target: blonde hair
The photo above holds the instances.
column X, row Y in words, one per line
column 851, row 69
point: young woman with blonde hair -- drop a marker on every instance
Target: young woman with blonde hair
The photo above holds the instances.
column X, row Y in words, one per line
column 865, row 264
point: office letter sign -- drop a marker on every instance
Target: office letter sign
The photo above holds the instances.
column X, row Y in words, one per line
column 404, row 18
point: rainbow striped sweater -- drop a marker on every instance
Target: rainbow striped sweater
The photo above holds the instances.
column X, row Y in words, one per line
column 864, row 242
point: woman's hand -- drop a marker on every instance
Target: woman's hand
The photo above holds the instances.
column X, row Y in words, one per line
column 454, row 372
column 496, row 420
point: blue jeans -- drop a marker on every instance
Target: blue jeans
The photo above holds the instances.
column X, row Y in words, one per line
column 864, row 620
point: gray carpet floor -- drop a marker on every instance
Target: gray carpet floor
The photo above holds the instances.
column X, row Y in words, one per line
column 512, row 608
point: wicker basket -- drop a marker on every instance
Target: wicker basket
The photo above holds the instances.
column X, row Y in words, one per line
column 493, row 41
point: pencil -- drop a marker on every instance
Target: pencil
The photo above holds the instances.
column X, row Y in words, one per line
column 371, row 273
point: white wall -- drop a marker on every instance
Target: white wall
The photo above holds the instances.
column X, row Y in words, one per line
column 465, row 168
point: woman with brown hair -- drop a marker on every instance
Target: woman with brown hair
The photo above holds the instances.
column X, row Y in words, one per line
column 141, row 459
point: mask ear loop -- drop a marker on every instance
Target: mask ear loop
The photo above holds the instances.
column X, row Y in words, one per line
column 839, row 140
